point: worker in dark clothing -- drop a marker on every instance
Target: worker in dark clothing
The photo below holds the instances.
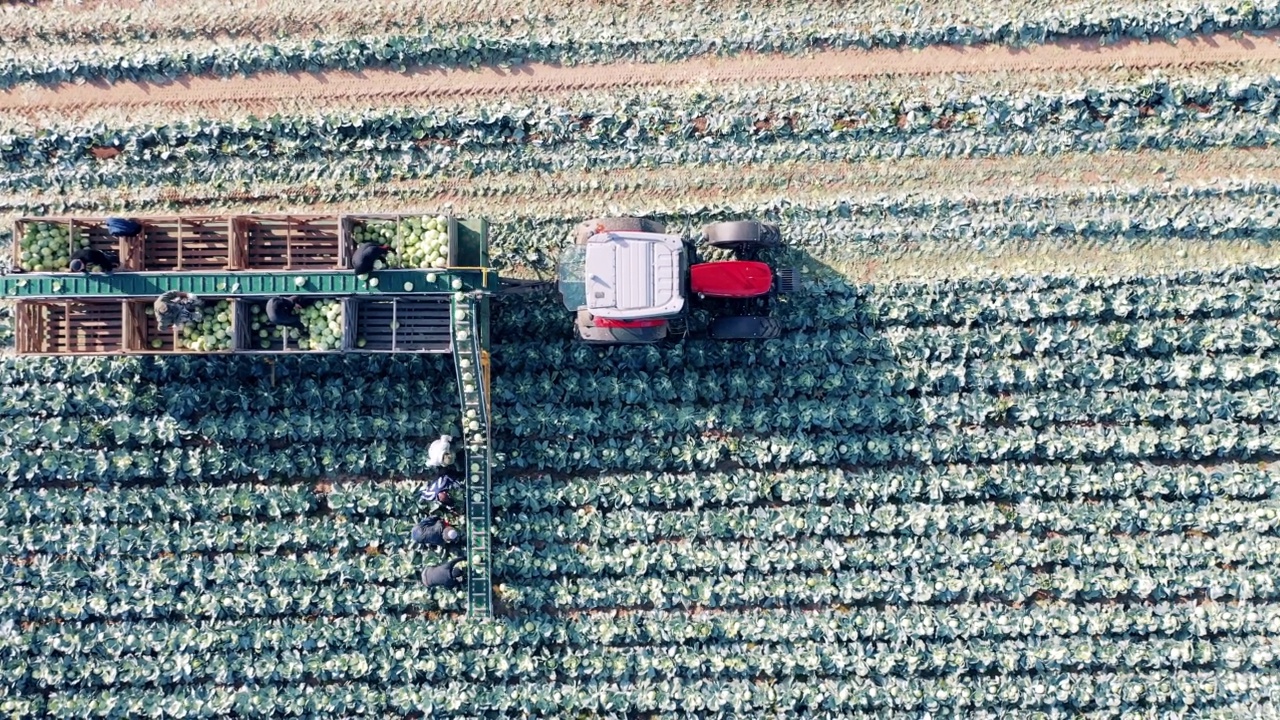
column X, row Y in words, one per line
column 446, row 574
column 438, row 492
column 434, row 531
column 84, row 258
column 366, row 255
column 284, row 312
column 123, row 227
column 177, row 309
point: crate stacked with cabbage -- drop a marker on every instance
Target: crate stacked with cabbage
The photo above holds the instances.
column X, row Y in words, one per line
column 415, row 241
column 382, row 323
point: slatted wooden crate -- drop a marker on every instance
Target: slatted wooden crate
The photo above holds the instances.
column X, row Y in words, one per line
column 415, row 324
column 127, row 249
column 249, row 339
column 143, row 334
column 192, row 243
column 288, row 242
column 350, row 222
column 70, row 327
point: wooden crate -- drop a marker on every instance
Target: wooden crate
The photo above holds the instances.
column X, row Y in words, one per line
column 248, row 339
column 70, row 327
column 143, row 335
column 191, row 243
column 349, row 222
column 421, row 325
column 288, row 242
column 127, row 249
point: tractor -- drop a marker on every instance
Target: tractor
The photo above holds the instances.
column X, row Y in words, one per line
column 631, row 283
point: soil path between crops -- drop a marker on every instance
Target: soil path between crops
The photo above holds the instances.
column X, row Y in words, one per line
column 391, row 85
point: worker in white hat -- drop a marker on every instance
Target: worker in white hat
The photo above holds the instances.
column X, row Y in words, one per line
column 440, row 454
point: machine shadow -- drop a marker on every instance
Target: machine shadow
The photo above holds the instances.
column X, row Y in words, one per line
column 819, row 397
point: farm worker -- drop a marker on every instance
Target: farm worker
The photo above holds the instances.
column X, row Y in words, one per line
column 440, row 454
column 84, row 258
column 366, row 255
column 434, row 531
column 122, row 227
column 284, row 312
column 175, row 309
column 446, row 574
column 437, row 491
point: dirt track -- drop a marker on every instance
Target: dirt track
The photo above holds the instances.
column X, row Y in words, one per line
column 380, row 85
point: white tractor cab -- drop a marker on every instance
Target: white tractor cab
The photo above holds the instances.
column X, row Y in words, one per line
column 630, row 282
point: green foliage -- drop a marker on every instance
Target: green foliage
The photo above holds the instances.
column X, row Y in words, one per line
column 945, row 490
column 591, row 36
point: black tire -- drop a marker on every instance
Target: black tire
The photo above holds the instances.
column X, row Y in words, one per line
column 741, row 235
column 744, row 327
column 618, row 224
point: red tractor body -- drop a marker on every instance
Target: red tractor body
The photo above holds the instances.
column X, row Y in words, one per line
column 731, row 279
column 629, row 281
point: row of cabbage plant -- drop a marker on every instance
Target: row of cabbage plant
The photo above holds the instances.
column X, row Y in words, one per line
column 747, row 589
column 245, row 598
column 1012, row 659
column 195, row 463
column 227, row 502
column 989, row 338
column 745, row 549
column 104, row 400
column 816, row 112
column 830, row 303
column 978, row 521
column 54, row 549
column 866, row 627
column 818, row 410
column 284, row 583
column 593, row 40
column 1216, row 439
column 1105, row 696
column 883, row 387
column 260, row 428
column 571, row 500
column 254, row 164
column 762, row 22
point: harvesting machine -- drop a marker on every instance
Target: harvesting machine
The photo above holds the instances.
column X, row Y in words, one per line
column 630, row 282
column 243, row 260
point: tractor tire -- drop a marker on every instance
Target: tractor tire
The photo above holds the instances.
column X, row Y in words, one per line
column 743, row 236
column 744, row 327
column 622, row 224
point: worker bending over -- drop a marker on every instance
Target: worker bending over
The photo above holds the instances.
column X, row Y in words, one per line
column 176, row 309
column 284, row 312
column 446, row 574
column 434, row 531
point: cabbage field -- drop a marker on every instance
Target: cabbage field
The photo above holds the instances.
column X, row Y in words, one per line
column 1014, row 456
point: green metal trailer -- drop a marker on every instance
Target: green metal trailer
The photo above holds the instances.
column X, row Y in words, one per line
column 249, row 258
